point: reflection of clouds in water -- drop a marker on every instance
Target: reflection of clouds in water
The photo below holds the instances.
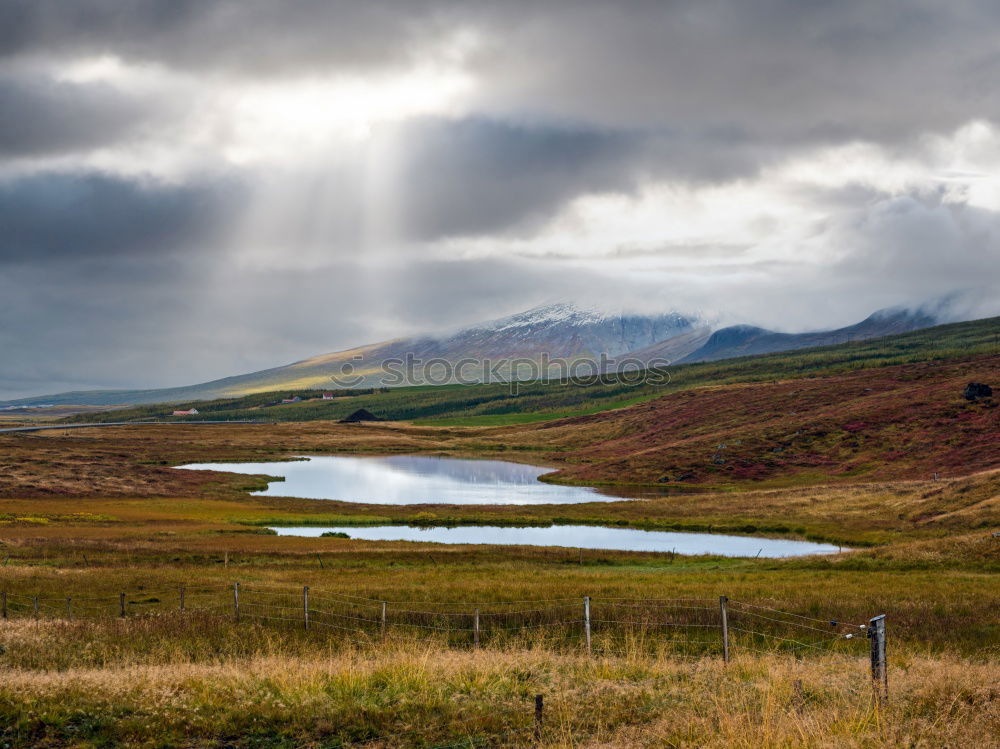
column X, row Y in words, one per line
column 408, row 479
column 581, row 536
column 466, row 471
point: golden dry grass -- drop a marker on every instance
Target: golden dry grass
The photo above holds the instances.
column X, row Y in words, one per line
column 252, row 687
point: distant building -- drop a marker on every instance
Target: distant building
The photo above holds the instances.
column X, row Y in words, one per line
column 189, row 412
column 293, row 399
column 328, row 396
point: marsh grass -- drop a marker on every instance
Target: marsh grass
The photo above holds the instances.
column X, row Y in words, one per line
column 199, row 681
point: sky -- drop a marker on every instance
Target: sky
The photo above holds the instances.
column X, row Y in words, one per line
column 191, row 189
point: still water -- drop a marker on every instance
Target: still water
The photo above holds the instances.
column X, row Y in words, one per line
column 411, row 480
column 581, row 536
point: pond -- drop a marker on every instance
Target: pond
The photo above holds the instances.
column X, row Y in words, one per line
column 410, row 480
column 581, row 536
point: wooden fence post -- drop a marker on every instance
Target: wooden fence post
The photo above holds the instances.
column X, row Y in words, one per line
column 586, row 621
column 305, row 606
column 880, row 668
column 724, row 616
column 539, row 705
column 34, row 603
column 236, row 602
column 121, row 605
column 3, row 598
column 475, row 629
column 69, row 608
column 384, row 620
column 182, row 591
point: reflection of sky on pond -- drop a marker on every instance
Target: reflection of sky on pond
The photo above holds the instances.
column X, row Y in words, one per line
column 411, row 479
column 581, row 536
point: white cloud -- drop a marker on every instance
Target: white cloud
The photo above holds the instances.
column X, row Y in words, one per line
column 853, row 222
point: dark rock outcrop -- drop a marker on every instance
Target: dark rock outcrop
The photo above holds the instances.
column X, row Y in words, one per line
column 360, row 415
column 976, row 390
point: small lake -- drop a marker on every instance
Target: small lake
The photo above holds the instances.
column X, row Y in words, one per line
column 580, row 536
column 411, row 480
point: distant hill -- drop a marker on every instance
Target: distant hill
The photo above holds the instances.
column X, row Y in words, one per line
column 575, row 336
column 560, row 331
column 492, row 405
column 747, row 340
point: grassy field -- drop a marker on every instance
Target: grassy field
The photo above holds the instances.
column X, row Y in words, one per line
column 889, row 460
column 161, row 677
column 900, row 422
column 192, row 682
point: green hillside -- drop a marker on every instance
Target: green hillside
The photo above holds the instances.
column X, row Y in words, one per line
column 496, row 404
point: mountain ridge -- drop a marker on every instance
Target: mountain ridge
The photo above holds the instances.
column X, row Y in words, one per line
column 573, row 336
column 750, row 340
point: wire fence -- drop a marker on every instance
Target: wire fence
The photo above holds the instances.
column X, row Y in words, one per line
column 683, row 628
column 686, row 627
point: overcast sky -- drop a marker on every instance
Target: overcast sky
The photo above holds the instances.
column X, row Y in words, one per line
column 196, row 188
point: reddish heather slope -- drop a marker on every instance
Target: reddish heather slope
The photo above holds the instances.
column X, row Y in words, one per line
column 903, row 422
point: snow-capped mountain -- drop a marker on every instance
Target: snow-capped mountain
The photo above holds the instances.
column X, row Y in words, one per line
column 542, row 341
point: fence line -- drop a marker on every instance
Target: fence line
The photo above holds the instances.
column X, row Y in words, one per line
column 597, row 624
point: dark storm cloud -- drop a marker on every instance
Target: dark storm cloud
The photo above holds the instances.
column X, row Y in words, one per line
column 97, row 277
column 719, row 88
column 778, row 69
column 480, row 176
column 41, row 116
column 54, row 216
column 86, row 322
column 257, row 37
column 782, row 71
